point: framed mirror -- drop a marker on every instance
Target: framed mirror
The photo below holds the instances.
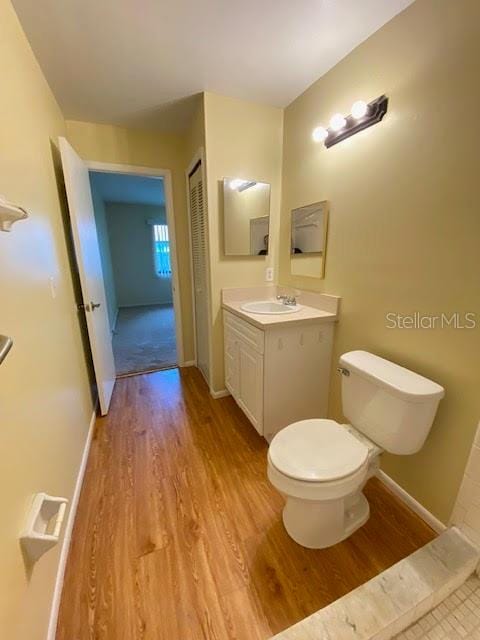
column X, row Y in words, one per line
column 246, row 216
column 309, row 239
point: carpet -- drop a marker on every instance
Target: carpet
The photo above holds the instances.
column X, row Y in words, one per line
column 144, row 339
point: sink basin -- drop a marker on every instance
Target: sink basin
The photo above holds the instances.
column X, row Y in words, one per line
column 270, row 307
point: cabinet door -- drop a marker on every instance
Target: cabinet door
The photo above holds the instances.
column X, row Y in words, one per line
column 250, row 384
column 231, row 362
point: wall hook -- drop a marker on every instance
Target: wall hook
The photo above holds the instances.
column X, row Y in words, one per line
column 6, row 344
column 10, row 213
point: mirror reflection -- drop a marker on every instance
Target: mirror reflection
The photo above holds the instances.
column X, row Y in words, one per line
column 308, row 239
column 246, row 208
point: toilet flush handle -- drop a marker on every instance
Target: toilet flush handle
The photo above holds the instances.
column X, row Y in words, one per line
column 343, row 371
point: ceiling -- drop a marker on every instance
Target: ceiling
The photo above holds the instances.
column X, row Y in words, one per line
column 120, row 187
column 141, row 62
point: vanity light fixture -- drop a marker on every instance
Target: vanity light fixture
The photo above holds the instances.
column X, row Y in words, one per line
column 319, row 134
column 359, row 109
column 237, row 184
column 337, row 122
column 363, row 115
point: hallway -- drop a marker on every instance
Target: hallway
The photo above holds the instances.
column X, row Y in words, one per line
column 144, row 339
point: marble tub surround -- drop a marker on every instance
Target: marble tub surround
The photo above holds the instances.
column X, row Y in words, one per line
column 388, row 604
column 457, row 617
column 466, row 513
column 315, row 306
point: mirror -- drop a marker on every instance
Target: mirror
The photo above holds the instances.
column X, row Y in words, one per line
column 246, row 215
column 309, row 239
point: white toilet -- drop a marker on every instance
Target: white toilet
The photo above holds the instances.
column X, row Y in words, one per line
column 321, row 466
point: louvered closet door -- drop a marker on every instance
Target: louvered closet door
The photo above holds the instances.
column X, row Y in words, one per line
column 199, row 258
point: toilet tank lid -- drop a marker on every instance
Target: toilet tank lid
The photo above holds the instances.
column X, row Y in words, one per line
column 397, row 379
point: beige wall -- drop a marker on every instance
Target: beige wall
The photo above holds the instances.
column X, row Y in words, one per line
column 108, row 143
column 242, row 139
column 404, row 220
column 195, row 134
column 45, row 401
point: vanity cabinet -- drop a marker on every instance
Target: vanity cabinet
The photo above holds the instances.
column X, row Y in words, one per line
column 279, row 374
column 244, row 367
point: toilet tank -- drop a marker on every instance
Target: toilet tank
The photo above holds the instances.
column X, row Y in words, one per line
column 391, row 405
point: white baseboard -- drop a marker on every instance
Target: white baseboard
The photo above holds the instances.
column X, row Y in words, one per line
column 410, row 501
column 57, row 593
column 219, row 394
column 188, row 363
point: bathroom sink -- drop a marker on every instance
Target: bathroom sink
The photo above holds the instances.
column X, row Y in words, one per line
column 270, row 307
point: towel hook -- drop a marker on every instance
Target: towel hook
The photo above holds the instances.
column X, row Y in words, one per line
column 6, row 344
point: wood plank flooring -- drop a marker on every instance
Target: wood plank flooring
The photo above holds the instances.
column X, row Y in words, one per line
column 179, row 535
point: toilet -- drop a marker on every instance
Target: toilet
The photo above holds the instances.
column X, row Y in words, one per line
column 321, row 466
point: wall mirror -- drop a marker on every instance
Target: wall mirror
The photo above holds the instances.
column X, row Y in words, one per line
column 309, row 239
column 246, row 215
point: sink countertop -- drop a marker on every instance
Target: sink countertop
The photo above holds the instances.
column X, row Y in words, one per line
column 263, row 321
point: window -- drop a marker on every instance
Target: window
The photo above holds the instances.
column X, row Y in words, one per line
column 161, row 251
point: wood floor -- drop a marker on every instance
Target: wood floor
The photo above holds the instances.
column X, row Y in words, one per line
column 179, row 535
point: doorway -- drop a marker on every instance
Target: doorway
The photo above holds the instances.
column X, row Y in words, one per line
column 135, row 243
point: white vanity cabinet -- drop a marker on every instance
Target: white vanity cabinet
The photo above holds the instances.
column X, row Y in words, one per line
column 278, row 374
column 244, row 367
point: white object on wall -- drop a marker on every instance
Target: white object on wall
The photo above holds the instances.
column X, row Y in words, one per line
column 6, row 344
column 10, row 213
column 43, row 526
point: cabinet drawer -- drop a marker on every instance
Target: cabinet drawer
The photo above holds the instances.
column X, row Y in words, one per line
column 248, row 333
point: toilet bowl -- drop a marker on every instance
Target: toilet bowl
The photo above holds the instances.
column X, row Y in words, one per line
column 321, row 466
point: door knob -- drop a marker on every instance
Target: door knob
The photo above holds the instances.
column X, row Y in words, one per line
column 94, row 305
column 84, row 307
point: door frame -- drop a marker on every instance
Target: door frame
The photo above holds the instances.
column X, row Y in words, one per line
column 199, row 156
column 166, row 174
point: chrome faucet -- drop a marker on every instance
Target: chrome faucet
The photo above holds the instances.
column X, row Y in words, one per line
column 288, row 300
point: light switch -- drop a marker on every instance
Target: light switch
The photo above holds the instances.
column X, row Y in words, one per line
column 269, row 274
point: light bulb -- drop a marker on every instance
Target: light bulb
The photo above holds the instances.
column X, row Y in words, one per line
column 337, row 122
column 359, row 109
column 236, row 183
column 319, row 134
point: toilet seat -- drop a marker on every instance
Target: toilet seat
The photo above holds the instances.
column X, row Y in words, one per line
column 317, row 451
column 320, row 468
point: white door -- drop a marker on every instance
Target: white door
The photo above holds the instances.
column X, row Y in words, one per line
column 84, row 231
column 199, row 262
column 250, row 384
